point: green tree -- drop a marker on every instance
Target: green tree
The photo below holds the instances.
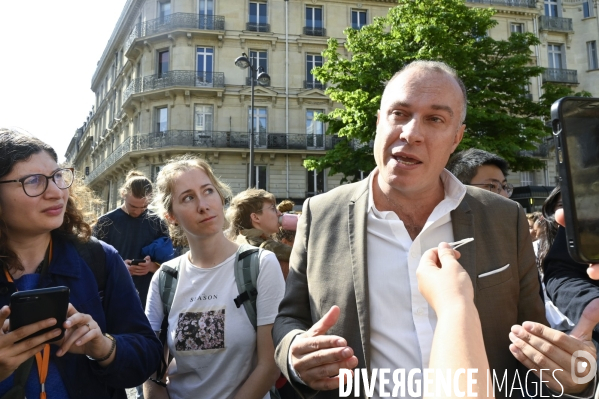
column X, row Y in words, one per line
column 501, row 117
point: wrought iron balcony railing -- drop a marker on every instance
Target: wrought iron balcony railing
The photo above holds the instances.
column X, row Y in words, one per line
column 175, row 78
column 216, row 139
column 509, row 3
column 177, row 20
column 255, row 27
column 556, row 75
column 314, row 84
column 555, row 24
column 310, row 31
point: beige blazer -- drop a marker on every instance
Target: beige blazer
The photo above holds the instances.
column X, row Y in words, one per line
column 328, row 267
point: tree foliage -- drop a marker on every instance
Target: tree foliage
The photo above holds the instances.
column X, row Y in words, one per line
column 501, row 116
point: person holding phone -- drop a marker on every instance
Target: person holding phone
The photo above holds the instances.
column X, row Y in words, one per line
column 108, row 344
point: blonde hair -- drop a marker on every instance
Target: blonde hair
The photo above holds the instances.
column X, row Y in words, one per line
column 137, row 184
column 162, row 201
column 243, row 205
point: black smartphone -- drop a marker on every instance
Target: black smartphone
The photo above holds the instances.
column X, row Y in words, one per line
column 27, row 307
column 137, row 261
column 575, row 124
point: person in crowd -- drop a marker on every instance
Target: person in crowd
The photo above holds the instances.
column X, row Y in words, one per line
column 547, row 226
column 131, row 229
column 217, row 353
column 108, row 343
column 285, row 236
column 254, row 219
column 532, row 229
column 483, row 169
column 368, row 237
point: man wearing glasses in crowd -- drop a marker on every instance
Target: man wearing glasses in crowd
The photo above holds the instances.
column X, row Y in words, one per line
column 483, row 169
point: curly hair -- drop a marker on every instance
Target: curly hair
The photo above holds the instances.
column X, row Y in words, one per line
column 18, row 147
column 162, row 201
column 243, row 205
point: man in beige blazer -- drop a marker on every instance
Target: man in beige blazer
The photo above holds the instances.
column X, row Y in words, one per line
column 419, row 124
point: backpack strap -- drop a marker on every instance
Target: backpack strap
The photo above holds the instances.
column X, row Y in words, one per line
column 93, row 254
column 167, row 284
column 247, row 268
column 21, row 375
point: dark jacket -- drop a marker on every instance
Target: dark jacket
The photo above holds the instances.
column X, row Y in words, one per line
column 119, row 313
column 567, row 282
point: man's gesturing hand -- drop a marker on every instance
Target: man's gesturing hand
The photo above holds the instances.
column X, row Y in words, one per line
column 317, row 357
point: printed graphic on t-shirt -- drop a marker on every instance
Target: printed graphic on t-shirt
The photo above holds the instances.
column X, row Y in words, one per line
column 200, row 331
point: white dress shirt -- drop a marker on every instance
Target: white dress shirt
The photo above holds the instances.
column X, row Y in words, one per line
column 401, row 321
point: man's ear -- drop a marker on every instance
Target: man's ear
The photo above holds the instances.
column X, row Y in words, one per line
column 254, row 217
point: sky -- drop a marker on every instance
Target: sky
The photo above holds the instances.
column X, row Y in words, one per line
column 49, row 55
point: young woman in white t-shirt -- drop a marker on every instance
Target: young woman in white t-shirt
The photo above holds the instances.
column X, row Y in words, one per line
column 217, row 353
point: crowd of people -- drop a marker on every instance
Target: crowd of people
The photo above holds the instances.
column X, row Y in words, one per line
column 256, row 306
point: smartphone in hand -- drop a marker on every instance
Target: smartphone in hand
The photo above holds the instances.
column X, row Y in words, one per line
column 575, row 123
column 28, row 307
column 137, row 261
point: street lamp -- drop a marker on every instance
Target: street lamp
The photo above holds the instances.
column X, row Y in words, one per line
column 263, row 79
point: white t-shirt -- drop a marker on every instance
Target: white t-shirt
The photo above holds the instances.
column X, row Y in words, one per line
column 213, row 342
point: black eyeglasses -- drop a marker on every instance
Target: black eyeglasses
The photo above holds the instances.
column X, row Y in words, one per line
column 496, row 187
column 36, row 185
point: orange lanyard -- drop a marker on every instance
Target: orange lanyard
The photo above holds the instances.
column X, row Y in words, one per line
column 42, row 360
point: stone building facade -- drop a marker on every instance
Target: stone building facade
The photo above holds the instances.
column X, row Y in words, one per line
column 166, row 84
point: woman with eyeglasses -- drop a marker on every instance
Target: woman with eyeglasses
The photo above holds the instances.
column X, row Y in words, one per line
column 108, row 344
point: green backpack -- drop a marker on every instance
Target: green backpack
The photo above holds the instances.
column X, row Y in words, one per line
column 247, row 268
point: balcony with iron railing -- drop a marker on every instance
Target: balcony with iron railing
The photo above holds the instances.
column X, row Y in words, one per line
column 175, row 21
column 555, row 24
column 311, row 31
column 257, row 27
column 214, row 139
column 314, row 84
column 195, row 79
column 556, row 75
column 508, row 3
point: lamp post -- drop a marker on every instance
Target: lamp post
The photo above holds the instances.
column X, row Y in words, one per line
column 263, row 79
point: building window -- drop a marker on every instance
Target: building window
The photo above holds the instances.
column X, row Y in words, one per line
column 517, row 28
column 315, row 182
column 314, row 25
column 314, row 129
column 587, row 8
column 206, row 12
column 551, row 8
column 260, row 120
column 526, row 179
column 312, row 61
column 258, row 21
column 260, row 177
column 203, row 118
column 260, row 60
column 165, row 11
column 161, row 119
column 358, row 19
column 555, row 56
column 205, row 56
column 592, row 53
column 163, row 62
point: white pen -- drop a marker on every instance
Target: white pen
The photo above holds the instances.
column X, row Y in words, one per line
column 458, row 244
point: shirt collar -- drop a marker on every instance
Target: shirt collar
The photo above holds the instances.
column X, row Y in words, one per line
column 454, row 190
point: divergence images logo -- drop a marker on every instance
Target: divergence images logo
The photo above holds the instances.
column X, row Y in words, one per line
column 579, row 363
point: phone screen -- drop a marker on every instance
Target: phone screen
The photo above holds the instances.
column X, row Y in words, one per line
column 580, row 142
